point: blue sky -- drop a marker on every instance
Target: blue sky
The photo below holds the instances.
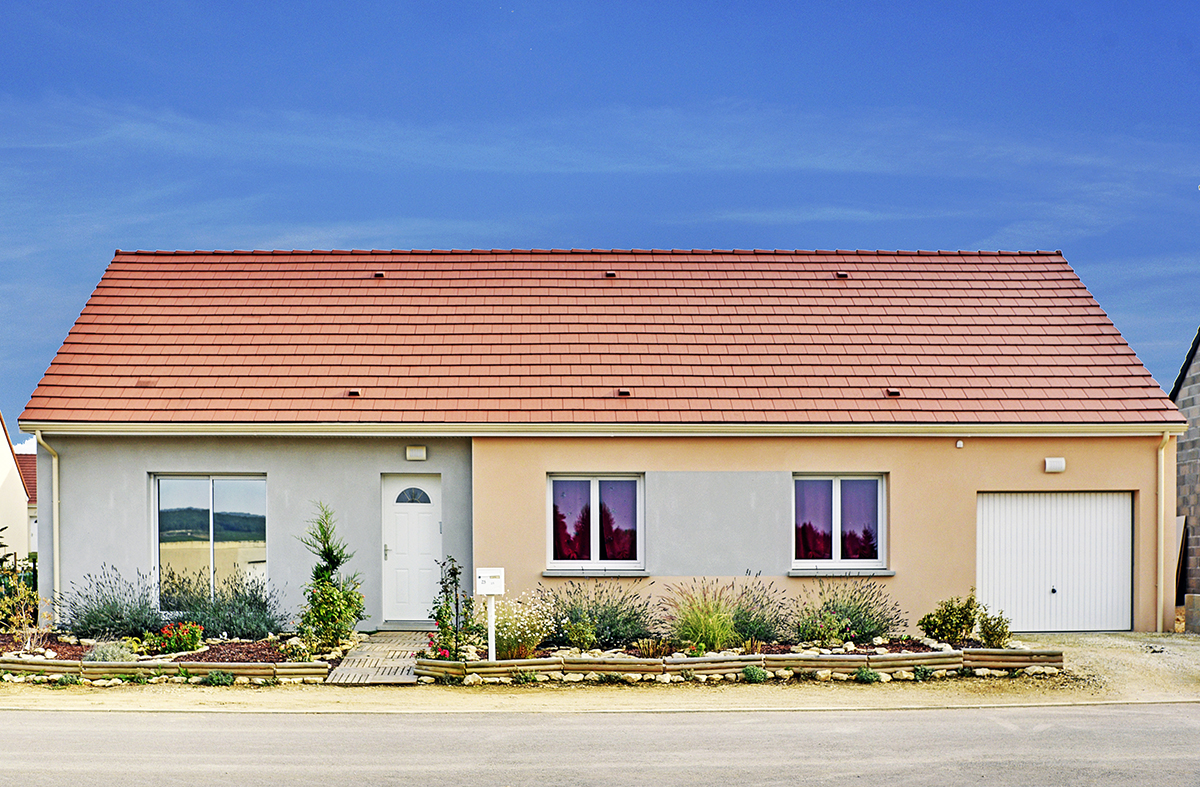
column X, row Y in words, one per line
column 906, row 125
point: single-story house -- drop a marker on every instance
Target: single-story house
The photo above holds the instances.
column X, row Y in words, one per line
column 1185, row 393
column 934, row 420
column 14, row 501
column 27, row 466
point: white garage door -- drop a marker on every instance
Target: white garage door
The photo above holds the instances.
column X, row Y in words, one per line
column 1057, row 561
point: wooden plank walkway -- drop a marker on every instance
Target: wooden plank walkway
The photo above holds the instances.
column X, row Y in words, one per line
column 388, row 657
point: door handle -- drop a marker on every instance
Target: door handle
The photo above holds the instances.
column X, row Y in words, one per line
column 385, row 551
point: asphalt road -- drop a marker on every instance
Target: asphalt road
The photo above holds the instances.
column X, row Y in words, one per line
column 1098, row 745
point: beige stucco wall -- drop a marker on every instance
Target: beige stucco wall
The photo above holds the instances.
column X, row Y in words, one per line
column 14, row 505
column 932, row 487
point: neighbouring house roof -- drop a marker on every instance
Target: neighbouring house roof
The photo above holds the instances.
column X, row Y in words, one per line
column 27, row 464
column 1183, row 370
column 554, row 336
column 8, row 446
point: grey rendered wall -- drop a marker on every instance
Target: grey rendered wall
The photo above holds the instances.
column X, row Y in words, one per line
column 1187, row 469
column 705, row 523
column 107, row 515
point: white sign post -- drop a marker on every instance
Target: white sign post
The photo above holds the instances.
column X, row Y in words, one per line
column 490, row 582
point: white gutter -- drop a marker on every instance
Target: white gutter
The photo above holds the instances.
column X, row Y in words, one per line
column 358, row 429
column 57, row 508
column 1162, row 529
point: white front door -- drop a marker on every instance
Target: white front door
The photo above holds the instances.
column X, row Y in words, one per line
column 1057, row 561
column 412, row 545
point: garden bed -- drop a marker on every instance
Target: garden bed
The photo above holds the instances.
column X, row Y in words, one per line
column 781, row 665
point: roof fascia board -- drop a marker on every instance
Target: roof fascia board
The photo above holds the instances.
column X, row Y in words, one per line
column 595, row 430
column 1183, row 371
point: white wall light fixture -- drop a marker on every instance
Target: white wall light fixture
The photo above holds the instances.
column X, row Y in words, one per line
column 414, row 453
column 1056, row 464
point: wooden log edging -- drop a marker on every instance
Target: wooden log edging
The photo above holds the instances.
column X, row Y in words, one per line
column 617, row 666
column 1002, row 659
column 796, row 662
column 711, row 665
column 95, row 670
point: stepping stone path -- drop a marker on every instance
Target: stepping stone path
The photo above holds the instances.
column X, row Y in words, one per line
column 387, row 657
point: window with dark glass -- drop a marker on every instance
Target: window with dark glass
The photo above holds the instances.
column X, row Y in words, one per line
column 595, row 521
column 839, row 519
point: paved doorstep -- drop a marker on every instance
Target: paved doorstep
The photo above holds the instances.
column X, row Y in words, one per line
column 387, row 657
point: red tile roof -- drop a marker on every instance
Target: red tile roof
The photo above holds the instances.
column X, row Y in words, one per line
column 547, row 336
column 27, row 464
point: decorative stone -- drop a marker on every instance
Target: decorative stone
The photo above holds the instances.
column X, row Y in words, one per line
column 840, row 676
column 55, row 677
column 49, row 654
column 1051, row 670
column 552, row 675
column 880, row 651
column 426, row 679
column 631, row 677
column 848, row 646
column 540, row 677
column 824, row 674
column 877, row 641
column 259, row 681
column 664, row 678
column 784, row 674
column 314, row 680
column 701, row 679
column 1035, row 669
column 885, row 678
column 573, row 677
column 903, row 674
column 951, row 673
column 473, row 680
column 940, row 673
column 491, row 681
column 592, row 676
column 241, row 680
column 982, row 672
column 716, row 678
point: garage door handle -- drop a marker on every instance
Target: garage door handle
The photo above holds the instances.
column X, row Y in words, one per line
column 1053, row 589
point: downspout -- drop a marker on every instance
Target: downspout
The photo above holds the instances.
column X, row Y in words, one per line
column 57, row 500
column 1162, row 528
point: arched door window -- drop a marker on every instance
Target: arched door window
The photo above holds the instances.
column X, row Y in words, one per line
column 413, row 495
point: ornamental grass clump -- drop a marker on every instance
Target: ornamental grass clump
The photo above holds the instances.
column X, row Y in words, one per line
column 108, row 606
column 616, row 613
column 760, row 610
column 522, row 623
column 853, row 611
column 701, row 613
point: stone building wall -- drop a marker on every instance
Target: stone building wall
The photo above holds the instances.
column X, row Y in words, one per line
column 1187, row 464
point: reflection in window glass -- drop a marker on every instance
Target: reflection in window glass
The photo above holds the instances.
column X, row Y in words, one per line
column 572, row 519
column 860, row 519
column 814, row 519
column 618, row 520
column 210, row 529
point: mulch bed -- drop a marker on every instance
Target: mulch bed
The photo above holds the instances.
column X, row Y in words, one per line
column 260, row 652
column 61, row 650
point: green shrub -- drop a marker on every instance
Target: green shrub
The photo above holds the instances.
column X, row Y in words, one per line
column 760, row 610
column 334, row 605
column 993, row 629
column 331, row 611
column 922, row 673
column 522, row 623
column 109, row 651
column 617, row 612
column 953, row 620
column 23, row 612
column 242, row 606
column 865, row 674
column 752, row 673
column 218, row 677
column 68, row 680
column 174, row 638
column 701, row 612
column 524, row 676
column 853, row 611
column 581, row 633
column 107, row 606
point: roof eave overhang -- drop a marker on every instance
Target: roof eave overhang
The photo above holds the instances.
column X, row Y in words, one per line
column 599, row 430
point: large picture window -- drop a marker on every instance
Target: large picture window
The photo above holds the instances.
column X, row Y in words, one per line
column 840, row 521
column 595, row 522
column 209, row 529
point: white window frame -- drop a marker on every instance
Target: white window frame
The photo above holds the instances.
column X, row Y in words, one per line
column 595, row 565
column 836, row 564
column 156, row 567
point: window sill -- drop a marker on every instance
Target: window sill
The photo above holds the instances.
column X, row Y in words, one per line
column 841, row 572
column 595, row 572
